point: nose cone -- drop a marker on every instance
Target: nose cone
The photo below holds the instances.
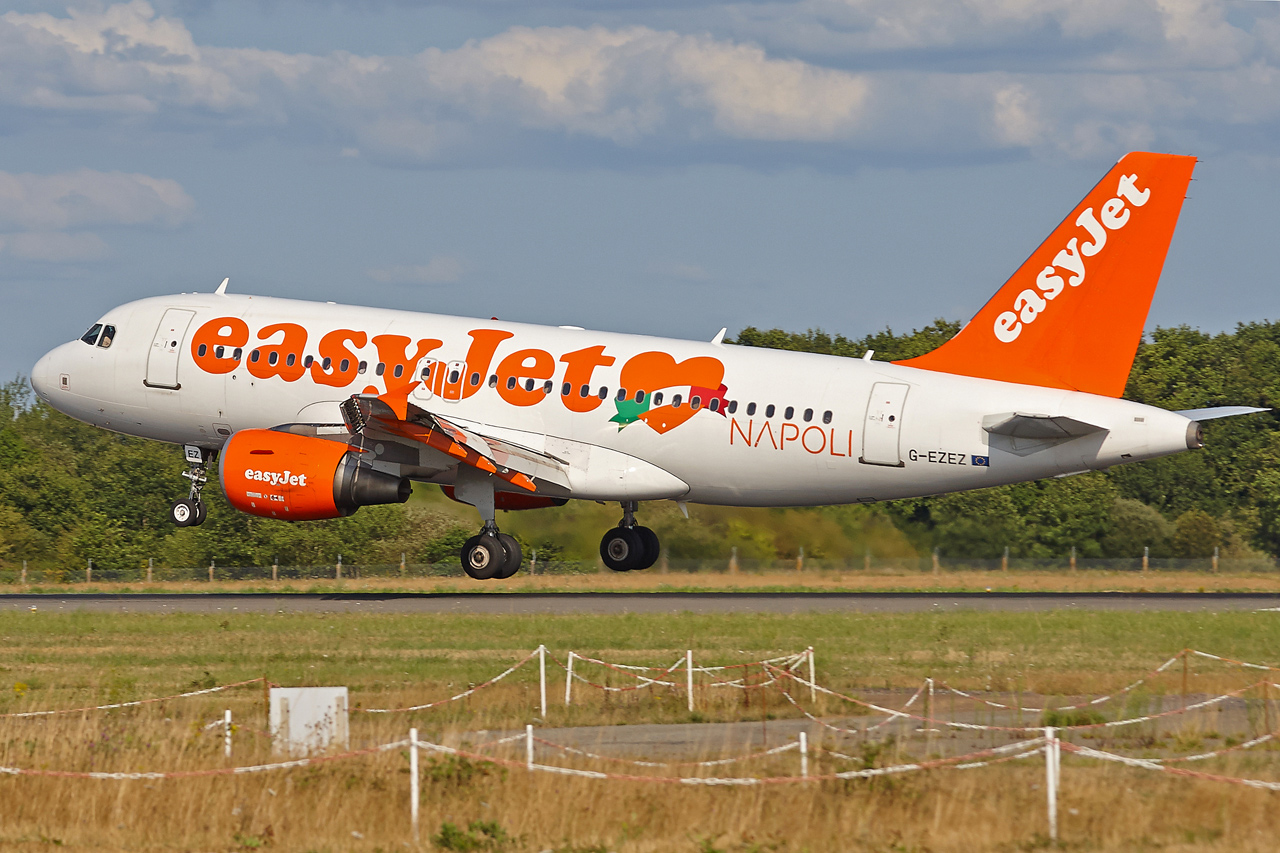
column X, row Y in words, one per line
column 43, row 377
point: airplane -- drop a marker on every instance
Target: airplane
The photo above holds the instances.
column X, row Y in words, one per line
column 313, row 410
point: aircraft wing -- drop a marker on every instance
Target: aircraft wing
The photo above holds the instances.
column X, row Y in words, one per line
column 365, row 414
column 1219, row 412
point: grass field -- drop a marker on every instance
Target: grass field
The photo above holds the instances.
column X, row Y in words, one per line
column 50, row 660
column 880, row 580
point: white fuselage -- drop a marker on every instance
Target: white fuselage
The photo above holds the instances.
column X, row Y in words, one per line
column 892, row 431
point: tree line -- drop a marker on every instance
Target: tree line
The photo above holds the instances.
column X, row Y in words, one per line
column 70, row 493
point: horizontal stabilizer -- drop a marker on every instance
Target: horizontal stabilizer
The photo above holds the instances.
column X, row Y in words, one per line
column 1219, row 412
column 1038, row 427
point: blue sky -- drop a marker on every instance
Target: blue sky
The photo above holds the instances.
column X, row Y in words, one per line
column 665, row 168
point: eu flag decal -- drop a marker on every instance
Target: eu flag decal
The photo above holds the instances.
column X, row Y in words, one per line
column 981, row 461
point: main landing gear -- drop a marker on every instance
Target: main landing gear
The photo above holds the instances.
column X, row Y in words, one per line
column 490, row 554
column 629, row 547
column 190, row 511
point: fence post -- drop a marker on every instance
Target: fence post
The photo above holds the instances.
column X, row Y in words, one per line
column 1051, row 779
column 24, row 571
column 150, row 568
column 804, row 755
column 226, row 733
column 568, row 681
column 275, row 569
column 533, row 562
column 402, row 563
column 528, row 746
column 1215, row 559
column 413, row 781
column 1146, row 557
column 688, row 669
column 338, row 569
column 733, row 560
column 1073, row 558
column 866, row 560
column 800, row 560
column 88, row 572
column 813, row 682
column 211, row 571
column 542, row 678
column 1004, row 561
column 936, row 564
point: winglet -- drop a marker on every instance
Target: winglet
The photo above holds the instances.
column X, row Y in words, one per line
column 718, row 340
column 222, row 288
column 1072, row 315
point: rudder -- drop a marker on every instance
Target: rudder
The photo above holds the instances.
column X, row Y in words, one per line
column 1072, row 315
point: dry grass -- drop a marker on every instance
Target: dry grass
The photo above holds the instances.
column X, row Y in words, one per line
column 879, row 580
column 66, row 660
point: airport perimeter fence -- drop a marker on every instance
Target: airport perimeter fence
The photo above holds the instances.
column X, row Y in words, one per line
column 19, row 572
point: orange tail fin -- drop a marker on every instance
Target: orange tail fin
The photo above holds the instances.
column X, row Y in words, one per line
column 1072, row 315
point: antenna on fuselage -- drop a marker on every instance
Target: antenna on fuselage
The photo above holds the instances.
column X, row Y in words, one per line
column 222, row 288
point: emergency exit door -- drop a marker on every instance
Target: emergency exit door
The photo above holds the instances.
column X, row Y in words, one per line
column 883, row 427
column 166, row 347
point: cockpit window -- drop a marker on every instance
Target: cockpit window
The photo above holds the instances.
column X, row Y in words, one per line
column 108, row 335
column 91, row 337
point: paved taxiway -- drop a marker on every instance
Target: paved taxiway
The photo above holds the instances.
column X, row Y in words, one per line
column 660, row 602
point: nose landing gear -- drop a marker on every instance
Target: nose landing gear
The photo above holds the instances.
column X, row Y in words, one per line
column 190, row 511
column 629, row 546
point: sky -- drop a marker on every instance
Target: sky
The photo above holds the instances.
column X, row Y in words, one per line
column 665, row 168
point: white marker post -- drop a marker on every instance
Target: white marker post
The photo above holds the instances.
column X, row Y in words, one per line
column 568, row 681
column 1051, row 779
column 226, row 733
column 813, row 684
column 528, row 746
column 688, row 669
column 413, row 781
column 804, row 755
column 542, row 678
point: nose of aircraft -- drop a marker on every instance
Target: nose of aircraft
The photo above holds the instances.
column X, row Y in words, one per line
column 44, row 376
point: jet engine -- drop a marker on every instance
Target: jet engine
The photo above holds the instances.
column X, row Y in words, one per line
column 299, row 478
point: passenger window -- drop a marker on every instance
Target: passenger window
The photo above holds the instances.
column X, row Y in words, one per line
column 399, row 371
column 733, row 406
column 790, row 413
column 362, row 367
column 826, row 417
column 675, row 401
column 528, row 385
column 91, row 337
column 657, row 398
column 715, row 404
column 380, row 369
column 769, row 410
column 204, row 348
column 808, row 415
column 344, row 366
column 584, row 391
column 290, row 359
column 564, row 391
column 306, row 362
column 751, row 409
column 639, row 396
column 475, row 377
column 108, row 335
column 273, row 358
column 511, row 383
column 253, row 356
column 326, row 364
column 604, row 393
column 493, row 381
column 622, row 394
column 236, row 353
column 547, row 387
column 695, row 402
column 219, row 352
column 454, row 376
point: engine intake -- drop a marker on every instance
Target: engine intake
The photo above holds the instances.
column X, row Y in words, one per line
column 299, row 478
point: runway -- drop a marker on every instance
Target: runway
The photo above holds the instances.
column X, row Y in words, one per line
column 607, row 603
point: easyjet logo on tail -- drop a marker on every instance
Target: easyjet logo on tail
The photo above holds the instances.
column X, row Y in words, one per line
column 1069, row 265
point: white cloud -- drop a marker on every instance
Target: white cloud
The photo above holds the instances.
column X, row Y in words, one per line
column 441, row 269
column 55, row 246
column 817, row 78
column 88, row 198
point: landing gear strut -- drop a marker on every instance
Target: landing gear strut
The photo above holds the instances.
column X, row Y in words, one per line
column 190, row 511
column 489, row 554
column 629, row 546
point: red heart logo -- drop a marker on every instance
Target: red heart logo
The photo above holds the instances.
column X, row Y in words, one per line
column 654, row 371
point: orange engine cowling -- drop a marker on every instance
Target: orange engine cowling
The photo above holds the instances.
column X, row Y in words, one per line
column 514, row 500
column 300, row 478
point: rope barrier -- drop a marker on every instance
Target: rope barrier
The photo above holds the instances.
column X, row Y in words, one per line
column 464, row 694
column 135, row 703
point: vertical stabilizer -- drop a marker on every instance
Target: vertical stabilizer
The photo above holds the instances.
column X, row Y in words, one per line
column 1072, row 315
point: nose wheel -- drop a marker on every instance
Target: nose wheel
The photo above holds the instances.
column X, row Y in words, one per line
column 190, row 511
column 629, row 546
